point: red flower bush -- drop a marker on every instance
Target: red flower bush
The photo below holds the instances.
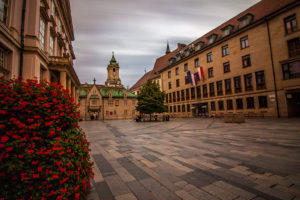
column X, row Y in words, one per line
column 43, row 152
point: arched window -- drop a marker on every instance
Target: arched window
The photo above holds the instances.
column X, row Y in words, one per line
column 114, row 72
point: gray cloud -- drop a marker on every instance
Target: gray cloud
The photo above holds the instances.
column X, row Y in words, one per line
column 138, row 31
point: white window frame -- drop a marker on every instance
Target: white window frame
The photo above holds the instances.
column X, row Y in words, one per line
column 42, row 33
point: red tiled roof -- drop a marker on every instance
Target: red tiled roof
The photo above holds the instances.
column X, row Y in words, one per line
column 141, row 81
column 259, row 10
column 163, row 61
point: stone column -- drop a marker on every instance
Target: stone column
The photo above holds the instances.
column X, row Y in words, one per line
column 76, row 95
column 73, row 92
column 63, row 79
column 69, row 85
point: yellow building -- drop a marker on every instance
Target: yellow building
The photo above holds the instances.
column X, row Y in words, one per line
column 36, row 42
column 251, row 65
column 109, row 101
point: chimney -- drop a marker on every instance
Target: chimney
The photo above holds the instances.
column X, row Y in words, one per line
column 180, row 45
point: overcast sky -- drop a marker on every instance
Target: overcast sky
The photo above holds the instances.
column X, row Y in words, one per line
column 138, row 31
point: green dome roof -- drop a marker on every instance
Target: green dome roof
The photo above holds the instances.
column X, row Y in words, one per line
column 113, row 61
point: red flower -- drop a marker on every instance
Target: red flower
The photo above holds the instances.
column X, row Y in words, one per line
column 20, row 156
column 63, row 190
column 31, row 127
column 40, row 169
column 35, row 162
column 46, row 105
column 2, row 126
column 49, row 123
column 52, row 132
column 8, row 149
column 3, row 112
column 77, row 196
column 35, row 176
column 30, row 120
column 29, row 152
column 55, row 176
column 16, row 137
column 4, row 139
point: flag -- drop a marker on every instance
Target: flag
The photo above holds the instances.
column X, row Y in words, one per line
column 189, row 76
column 196, row 78
column 201, row 74
column 193, row 79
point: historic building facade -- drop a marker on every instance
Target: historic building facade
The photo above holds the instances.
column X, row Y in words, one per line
column 109, row 101
column 36, row 42
column 251, row 65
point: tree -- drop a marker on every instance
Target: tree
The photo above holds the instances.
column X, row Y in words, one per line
column 151, row 99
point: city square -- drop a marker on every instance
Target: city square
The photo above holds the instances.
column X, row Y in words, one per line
column 195, row 159
column 149, row 100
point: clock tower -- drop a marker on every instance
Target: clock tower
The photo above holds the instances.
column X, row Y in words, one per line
column 113, row 78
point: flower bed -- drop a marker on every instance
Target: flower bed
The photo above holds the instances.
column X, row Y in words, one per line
column 43, row 152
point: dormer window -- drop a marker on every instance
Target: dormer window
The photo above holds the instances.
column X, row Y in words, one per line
column 227, row 30
column 199, row 45
column 212, row 38
column 187, row 52
column 192, row 47
column 172, row 60
column 245, row 20
column 178, row 56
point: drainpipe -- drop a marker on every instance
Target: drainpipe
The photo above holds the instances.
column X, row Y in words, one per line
column 273, row 69
column 22, row 38
column 103, row 108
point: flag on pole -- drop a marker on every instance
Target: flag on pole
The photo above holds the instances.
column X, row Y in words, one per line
column 193, row 79
column 189, row 77
column 201, row 74
column 196, row 78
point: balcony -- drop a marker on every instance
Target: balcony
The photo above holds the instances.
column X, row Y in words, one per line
column 58, row 60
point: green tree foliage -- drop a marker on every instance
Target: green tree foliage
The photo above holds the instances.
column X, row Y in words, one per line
column 151, row 99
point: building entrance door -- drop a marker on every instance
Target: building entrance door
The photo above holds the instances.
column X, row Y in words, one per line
column 293, row 103
column 200, row 110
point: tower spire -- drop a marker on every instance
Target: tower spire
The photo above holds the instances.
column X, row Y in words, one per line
column 113, row 59
column 168, row 48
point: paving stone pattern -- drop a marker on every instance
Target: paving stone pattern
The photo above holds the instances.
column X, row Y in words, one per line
column 194, row 159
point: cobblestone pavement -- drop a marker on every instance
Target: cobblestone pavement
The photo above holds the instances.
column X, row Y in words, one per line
column 195, row 159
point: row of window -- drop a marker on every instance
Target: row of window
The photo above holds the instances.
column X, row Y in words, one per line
column 239, row 104
column 117, row 103
column 246, row 61
column 42, row 35
column 293, row 49
column 115, row 112
column 196, row 91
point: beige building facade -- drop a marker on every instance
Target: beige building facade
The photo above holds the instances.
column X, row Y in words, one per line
column 36, row 42
column 109, row 101
column 251, row 66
